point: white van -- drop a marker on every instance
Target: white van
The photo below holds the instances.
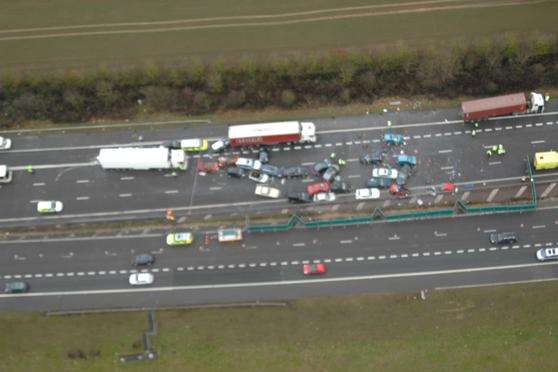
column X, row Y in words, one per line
column 5, row 174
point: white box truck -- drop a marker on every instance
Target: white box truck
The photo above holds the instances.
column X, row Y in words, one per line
column 142, row 158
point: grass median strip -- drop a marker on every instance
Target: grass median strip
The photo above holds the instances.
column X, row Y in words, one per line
column 489, row 328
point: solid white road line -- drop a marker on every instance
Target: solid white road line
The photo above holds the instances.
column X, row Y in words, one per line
column 76, row 239
column 54, row 166
column 447, row 151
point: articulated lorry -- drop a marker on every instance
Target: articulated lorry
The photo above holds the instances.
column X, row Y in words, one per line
column 142, row 158
column 546, row 160
column 272, row 133
column 510, row 104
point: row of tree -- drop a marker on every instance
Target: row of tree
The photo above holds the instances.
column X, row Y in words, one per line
column 485, row 68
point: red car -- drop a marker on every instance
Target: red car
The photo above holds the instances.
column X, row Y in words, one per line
column 314, row 269
column 316, row 188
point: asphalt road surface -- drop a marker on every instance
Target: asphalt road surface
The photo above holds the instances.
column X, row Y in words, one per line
column 92, row 271
column 66, row 169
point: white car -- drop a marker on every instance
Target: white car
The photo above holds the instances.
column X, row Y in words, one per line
column 5, row 143
column 229, row 235
column 371, row 193
column 269, row 192
column 324, row 197
column 248, row 164
column 385, row 173
column 5, row 174
column 141, row 279
column 49, row 206
column 258, row 177
column 220, row 144
column 547, row 254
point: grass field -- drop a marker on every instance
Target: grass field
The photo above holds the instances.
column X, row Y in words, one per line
column 64, row 33
column 510, row 328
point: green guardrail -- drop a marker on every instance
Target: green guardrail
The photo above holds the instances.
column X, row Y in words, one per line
column 379, row 214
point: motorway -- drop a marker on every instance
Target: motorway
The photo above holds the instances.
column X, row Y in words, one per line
column 66, row 169
column 92, row 271
column 75, row 272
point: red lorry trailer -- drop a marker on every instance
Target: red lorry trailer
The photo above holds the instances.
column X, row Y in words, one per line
column 272, row 133
column 509, row 104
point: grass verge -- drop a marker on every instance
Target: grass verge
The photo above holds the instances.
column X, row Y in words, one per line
column 504, row 328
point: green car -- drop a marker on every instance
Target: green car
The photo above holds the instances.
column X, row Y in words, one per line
column 182, row 238
column 16, row 287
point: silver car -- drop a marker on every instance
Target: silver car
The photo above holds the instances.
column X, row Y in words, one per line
column 324, row 197
column 384, row 173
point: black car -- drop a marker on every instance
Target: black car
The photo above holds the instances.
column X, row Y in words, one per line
column 143, row 260
column 292, row 172
column 331, row 172
column 375, row 158
column 271, row 170
column 379, row 182
column 235, row 172
column 321, row 167
column 263, row 156
column 503, row 238
column 341, row 187
column 403, row 175
column 299, row 197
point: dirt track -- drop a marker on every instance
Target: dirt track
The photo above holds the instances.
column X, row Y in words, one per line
column 274, row 20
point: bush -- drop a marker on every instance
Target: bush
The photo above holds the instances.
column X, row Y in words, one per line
column 490, row 67
column 288, row 98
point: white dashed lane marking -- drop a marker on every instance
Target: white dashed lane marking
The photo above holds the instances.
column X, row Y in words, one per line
column 284, row 263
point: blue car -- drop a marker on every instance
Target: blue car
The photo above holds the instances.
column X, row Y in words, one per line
column 406, row 160
column 393, row 139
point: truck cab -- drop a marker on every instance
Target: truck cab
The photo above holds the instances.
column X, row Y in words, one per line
column 308, row 132
column 5, row 143
column 536, row 103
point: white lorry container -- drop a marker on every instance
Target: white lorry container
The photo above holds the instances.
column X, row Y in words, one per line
column 142, row 158
column 5, row 174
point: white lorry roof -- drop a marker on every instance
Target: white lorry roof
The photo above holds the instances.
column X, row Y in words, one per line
column 264, row 129
column 135, row 158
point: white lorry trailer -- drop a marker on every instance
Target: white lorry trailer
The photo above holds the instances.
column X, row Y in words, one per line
column 272, row 133
column 142, row 158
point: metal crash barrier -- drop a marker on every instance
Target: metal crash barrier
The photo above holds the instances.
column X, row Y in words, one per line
column 379, row 214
